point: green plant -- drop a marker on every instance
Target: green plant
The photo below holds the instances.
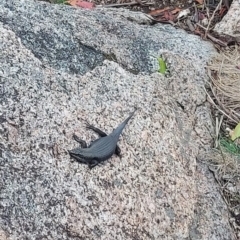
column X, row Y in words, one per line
column 60, row 1
column 229, row 146
column 162, row 66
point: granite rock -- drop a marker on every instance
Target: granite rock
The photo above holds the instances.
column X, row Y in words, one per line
column 62, row 66
column 230, row 24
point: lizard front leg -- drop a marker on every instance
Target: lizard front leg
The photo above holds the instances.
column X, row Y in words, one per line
column 96, row 130
column 92, row 163
column 82, row 142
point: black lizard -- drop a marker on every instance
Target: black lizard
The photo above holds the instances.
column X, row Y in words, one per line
column 101, row 149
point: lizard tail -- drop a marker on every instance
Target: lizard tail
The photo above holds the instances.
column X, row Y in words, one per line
column 120, row 128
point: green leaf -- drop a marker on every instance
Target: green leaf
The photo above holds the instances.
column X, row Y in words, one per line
column 61, row 1
column 236, row 132
column 162, row 66
column 229, row 146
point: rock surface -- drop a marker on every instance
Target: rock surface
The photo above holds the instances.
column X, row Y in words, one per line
column 61, row 66
column 230, row 24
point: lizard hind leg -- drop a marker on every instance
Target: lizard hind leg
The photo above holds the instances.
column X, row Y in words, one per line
column 82, row 142
column 96, row 130
column 118, row 151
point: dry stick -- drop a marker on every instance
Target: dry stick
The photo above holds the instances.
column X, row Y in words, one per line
column 125, row 4
column 236, row 113
column 216, row 9
column 221, row 67
column 217, row 134
column 119, row 4
column 218, row 127
column 215, row 39
column 217, row 106
column 190, row 26
column 196, row 14
column 211, row 37
column 201, row 26
column 205, row 6
column 223, row 107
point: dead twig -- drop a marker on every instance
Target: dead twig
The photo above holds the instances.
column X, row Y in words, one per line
column 220, row 110
column 198, row 24
column 126, row 4
column 215, row 39
column 218, row 127
column 210, row 21
column 222, row 105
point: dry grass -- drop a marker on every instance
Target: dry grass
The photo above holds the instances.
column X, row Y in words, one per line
column 224, row 72
column 224, row 160
column 226, row 169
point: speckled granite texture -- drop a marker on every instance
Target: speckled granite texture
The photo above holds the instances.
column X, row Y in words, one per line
column 230, row 24
column 156, row 190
